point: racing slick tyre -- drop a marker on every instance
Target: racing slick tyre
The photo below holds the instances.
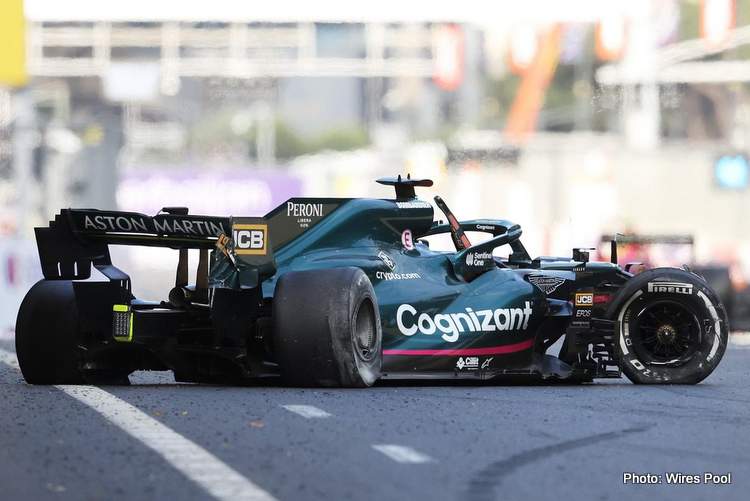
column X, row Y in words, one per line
column 327, row 328
column 46, row 332
column 671, row 327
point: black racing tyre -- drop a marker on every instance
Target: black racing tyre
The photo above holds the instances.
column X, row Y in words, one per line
column 327, row 328
column 671, row 327
column 47, row 334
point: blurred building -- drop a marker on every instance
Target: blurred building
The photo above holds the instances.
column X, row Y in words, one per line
column 574, row 118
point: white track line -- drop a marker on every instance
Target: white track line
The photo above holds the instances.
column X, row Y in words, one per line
column 307, row 411
column 206, row 470
column 403, row 454
column 8, row 358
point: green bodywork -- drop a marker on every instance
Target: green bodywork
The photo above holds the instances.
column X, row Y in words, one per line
column 492, row 312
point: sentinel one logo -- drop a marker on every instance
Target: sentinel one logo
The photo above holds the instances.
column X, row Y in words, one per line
column 676, row 287
column 450, row 325
column 477, row 258
column 250, row 239
column 304, row 210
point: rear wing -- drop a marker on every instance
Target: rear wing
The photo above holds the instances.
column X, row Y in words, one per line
column 78, row 238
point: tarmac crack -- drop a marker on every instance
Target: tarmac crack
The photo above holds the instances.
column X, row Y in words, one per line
column 483, row 484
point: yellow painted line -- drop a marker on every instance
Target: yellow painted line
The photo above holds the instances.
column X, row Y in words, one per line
column 216, row 478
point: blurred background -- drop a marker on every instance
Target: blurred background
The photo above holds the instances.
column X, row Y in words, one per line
column 579, row 119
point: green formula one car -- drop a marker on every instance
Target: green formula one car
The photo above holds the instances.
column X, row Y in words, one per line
column 345, row 292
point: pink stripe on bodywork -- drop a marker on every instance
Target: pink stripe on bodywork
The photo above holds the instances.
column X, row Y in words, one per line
column 495, row 350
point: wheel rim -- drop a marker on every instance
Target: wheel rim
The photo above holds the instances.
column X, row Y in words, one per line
column 668, row 333
column 365, row 330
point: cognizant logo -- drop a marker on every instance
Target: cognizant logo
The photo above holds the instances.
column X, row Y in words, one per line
column 452, row 324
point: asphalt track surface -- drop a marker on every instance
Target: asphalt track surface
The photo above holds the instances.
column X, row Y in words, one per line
column 159, row 440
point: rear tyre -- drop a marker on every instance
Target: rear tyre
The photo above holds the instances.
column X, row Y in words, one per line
column 672, row 328
column 327, row 328
column 47, row 334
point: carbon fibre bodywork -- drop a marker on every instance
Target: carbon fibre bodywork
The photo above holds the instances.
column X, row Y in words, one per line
column 464, row 314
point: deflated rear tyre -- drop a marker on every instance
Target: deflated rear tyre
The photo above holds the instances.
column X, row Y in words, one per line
column 46, row 334
column 671, row 327
column 327, row 328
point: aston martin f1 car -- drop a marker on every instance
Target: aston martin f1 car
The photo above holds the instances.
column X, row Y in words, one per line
column 346, row 292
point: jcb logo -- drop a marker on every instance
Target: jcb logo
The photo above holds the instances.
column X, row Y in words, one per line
column 250, row 239
column 584, row 299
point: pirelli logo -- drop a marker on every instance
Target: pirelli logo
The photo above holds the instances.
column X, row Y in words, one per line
column 670, row 287
column 585, row 299
column 250, row 239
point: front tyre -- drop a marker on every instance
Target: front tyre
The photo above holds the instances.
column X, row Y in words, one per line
column 327, row 328
column 671, row 326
